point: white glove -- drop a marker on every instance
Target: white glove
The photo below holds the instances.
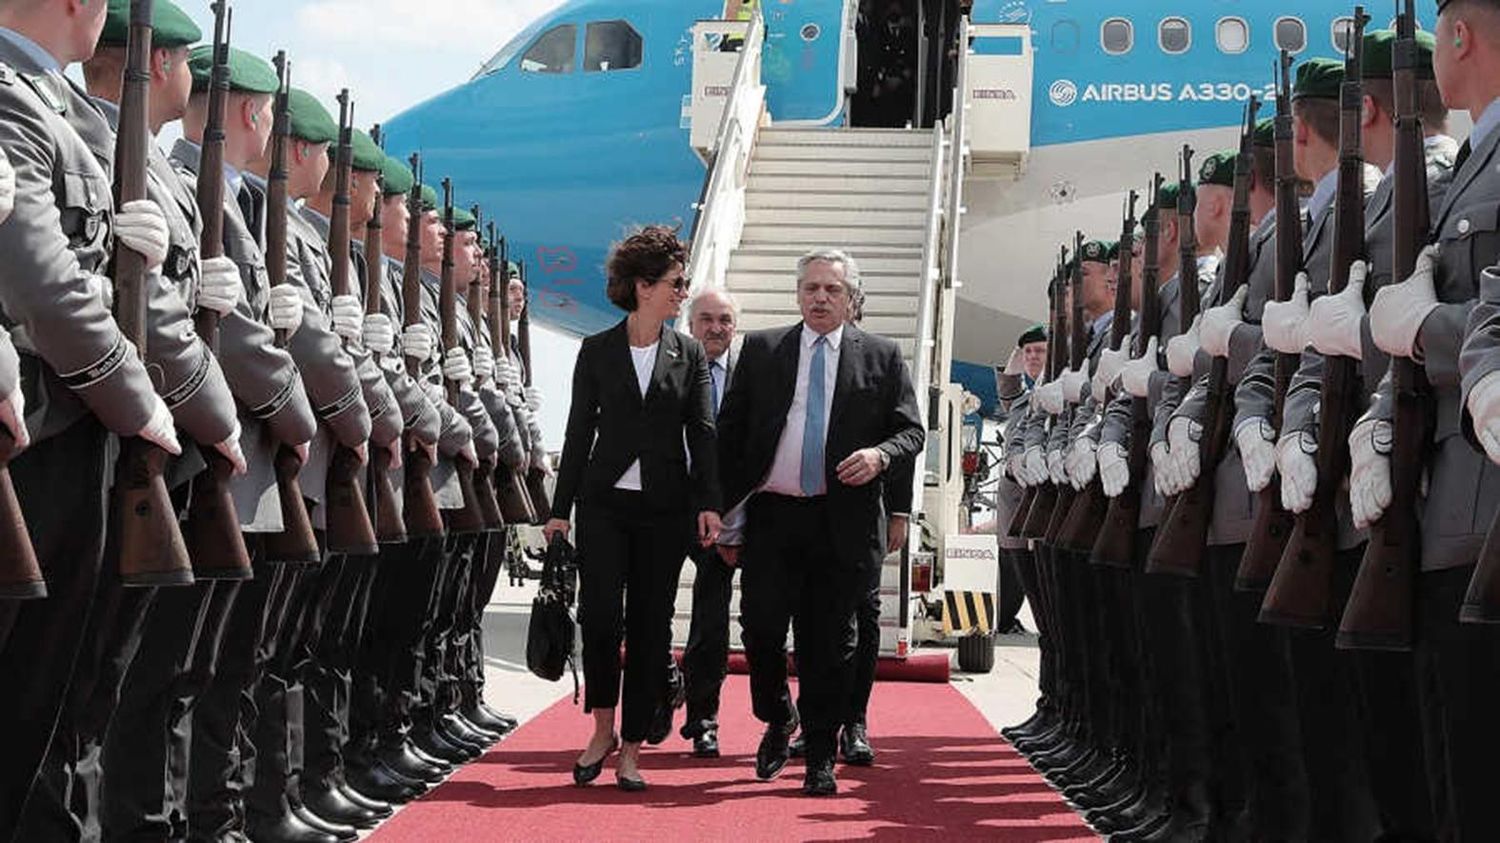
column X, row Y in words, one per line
column 230, row 448
column 1161, row 478
column 220, row 287
column 1399, row 309
column 417, row 341
column 1285, row 323
column 1114, row 469
column 1056, row 471
column 1108, row 370
column 348, row 318
column 533, row 399
column 1484, row 406
column 379, row 335
column 393, row 448
column 1081, row 462
column 1219, row 323
column 1015, row 466
column 513, row 383
column 456, row 366
column 1182, row 351
column 1370, row 471
column 504, row 372
column 1049, row 397
column 1296, row 459
column 142, row 228
column 1072, row 382
column 160, row 429
column 1136, row 376
column 1185, row 459
column 286, row 308
column 1335, row 323
column 1257, row 452
column 13, row 415
column 484, row 363
column 8, row 188
column 1036, row 466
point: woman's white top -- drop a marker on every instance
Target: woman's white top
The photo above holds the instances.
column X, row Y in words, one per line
column 645, row 363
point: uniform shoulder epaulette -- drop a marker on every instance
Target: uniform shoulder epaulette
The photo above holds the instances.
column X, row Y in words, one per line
column 7, row 74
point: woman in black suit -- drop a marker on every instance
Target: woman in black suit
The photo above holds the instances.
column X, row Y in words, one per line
column 640, row 390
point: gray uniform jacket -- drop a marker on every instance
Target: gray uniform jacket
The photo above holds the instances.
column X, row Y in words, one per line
column 511, row 445
column 274, row 409
column 418, row 416
column 73, row 359
column 486, row 440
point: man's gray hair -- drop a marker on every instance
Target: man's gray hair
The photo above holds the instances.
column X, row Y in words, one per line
column 692, row 305
column 838, row 256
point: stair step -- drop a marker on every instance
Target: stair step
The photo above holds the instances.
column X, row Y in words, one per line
column 837, row 166
column 782, row 263
column 837, row 200
column 850, row 237
column 769, row 150
column 895, row 327
column 757, row 283
column 784, row 301
column 823, row 217
column 821, row 181
column 847, row 137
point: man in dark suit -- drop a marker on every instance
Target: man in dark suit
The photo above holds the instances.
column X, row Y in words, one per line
column 817, row 414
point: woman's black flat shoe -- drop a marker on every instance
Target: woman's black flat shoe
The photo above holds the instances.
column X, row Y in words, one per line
column 630, row 785
column 585, row 773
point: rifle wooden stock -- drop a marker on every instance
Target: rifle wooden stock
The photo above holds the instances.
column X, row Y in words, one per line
column 468, row 518
column 536, row 476
column 1273, row 524
column 1382, row 604
column 348, row 518
column 484, row 477
column 20, row 573
column 419, row 504
column 1039, row 514
column 510, row 484
column 385, row 512
column 1301, row 592
column 1017, row 526
column 1482, row 600
column 152, row 551
column 1077, row 357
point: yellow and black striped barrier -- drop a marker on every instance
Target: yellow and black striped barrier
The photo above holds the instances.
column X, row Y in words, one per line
column 967, row 611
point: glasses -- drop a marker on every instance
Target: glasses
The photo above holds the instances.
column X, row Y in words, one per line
column 681, row 285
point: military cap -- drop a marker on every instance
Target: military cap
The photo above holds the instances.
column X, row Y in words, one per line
column 310, row 121
column 1218, row 169
column 248, row 73
column 1380, row 51
column 512, row 269
column 1114, row 249
column 1166, row 198
column 429, row 198
column 1097, row 251
column 367, row 156
column 1265, row 132
column 170, row 26
column 396, row 177
column 1036, row 333
column 463, row 220
column 1318, row 79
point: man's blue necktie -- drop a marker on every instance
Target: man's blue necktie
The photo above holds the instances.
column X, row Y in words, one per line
column 813, row 431
column 713, row 385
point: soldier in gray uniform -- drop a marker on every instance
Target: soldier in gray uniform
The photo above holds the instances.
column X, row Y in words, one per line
column 80, row 377
column 275, row 411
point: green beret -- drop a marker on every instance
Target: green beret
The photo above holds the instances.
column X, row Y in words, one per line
column 512, row 269
column 1096, row 251
column 1036, row 333
column 1218, row 169
column 1380, row 48
column 1114, row 250
column 463, row 220
column 1166, row 198
column 397, row 177
column 429, row 198
column 1318, row 79
column 367, row 156
column 1265, row 132
column 171, row 27
column 248, row 73
column 311, row 122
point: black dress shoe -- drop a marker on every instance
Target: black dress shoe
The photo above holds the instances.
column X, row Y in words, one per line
column 854, row 746
column 819, row 780
column 585, row 773
column 706, row 745
column 481, row 717
column 661, row 724
column 286, row 827
column 343, row 833
column 798, row 747
column 332, row 805
column 457, row 725
column 630, row 785
column 432, row 741
column 379, row 807
column 771, row 756
column 507, row 721
column 381, row 782
column 401, row 759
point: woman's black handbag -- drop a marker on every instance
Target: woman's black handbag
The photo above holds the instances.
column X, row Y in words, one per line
column 550, row 637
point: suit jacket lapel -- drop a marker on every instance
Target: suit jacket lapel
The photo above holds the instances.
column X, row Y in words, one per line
column 1476, row 163
column 843, row 381
column 619, row 350
column 668, row 354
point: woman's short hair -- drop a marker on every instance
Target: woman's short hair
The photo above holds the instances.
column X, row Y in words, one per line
column 646, row 256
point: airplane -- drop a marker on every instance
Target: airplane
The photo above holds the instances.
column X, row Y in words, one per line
column 577, row 130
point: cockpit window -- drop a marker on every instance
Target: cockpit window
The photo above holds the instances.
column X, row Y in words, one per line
column 611, row 45
column 1291, row 35
column 1117, row 36
column 553, row 52
column 1176, row 35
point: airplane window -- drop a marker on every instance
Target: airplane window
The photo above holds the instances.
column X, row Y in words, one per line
column 1117, row 36
column 1065, row 36
column 553, row 52
column 1232, row 35
column 1343, row 28
column 611, row 45
column 1291, row 35
column 1175, row 34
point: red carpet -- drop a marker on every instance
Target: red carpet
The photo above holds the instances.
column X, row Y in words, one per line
column 942, row 774
column 917, row 667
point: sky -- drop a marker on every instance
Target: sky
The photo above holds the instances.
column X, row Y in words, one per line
column 392, row 54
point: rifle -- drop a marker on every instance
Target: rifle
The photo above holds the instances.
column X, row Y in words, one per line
column 1029, row 496
column 1089, row 508
column 212, row 528
column 515, row 503
column 1273, row 524
column 1077, row 358
column 1183, row 536
column 468, row 518
column 484, row 477
column 1301, row 592
column 536, row 476
column 423, row 518
column 1382, row 602
column 1039, row 516
column 384, row 511
column 1115, row 545
column 349, row 528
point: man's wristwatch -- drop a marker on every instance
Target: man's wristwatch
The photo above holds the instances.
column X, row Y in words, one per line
column 885, row 460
